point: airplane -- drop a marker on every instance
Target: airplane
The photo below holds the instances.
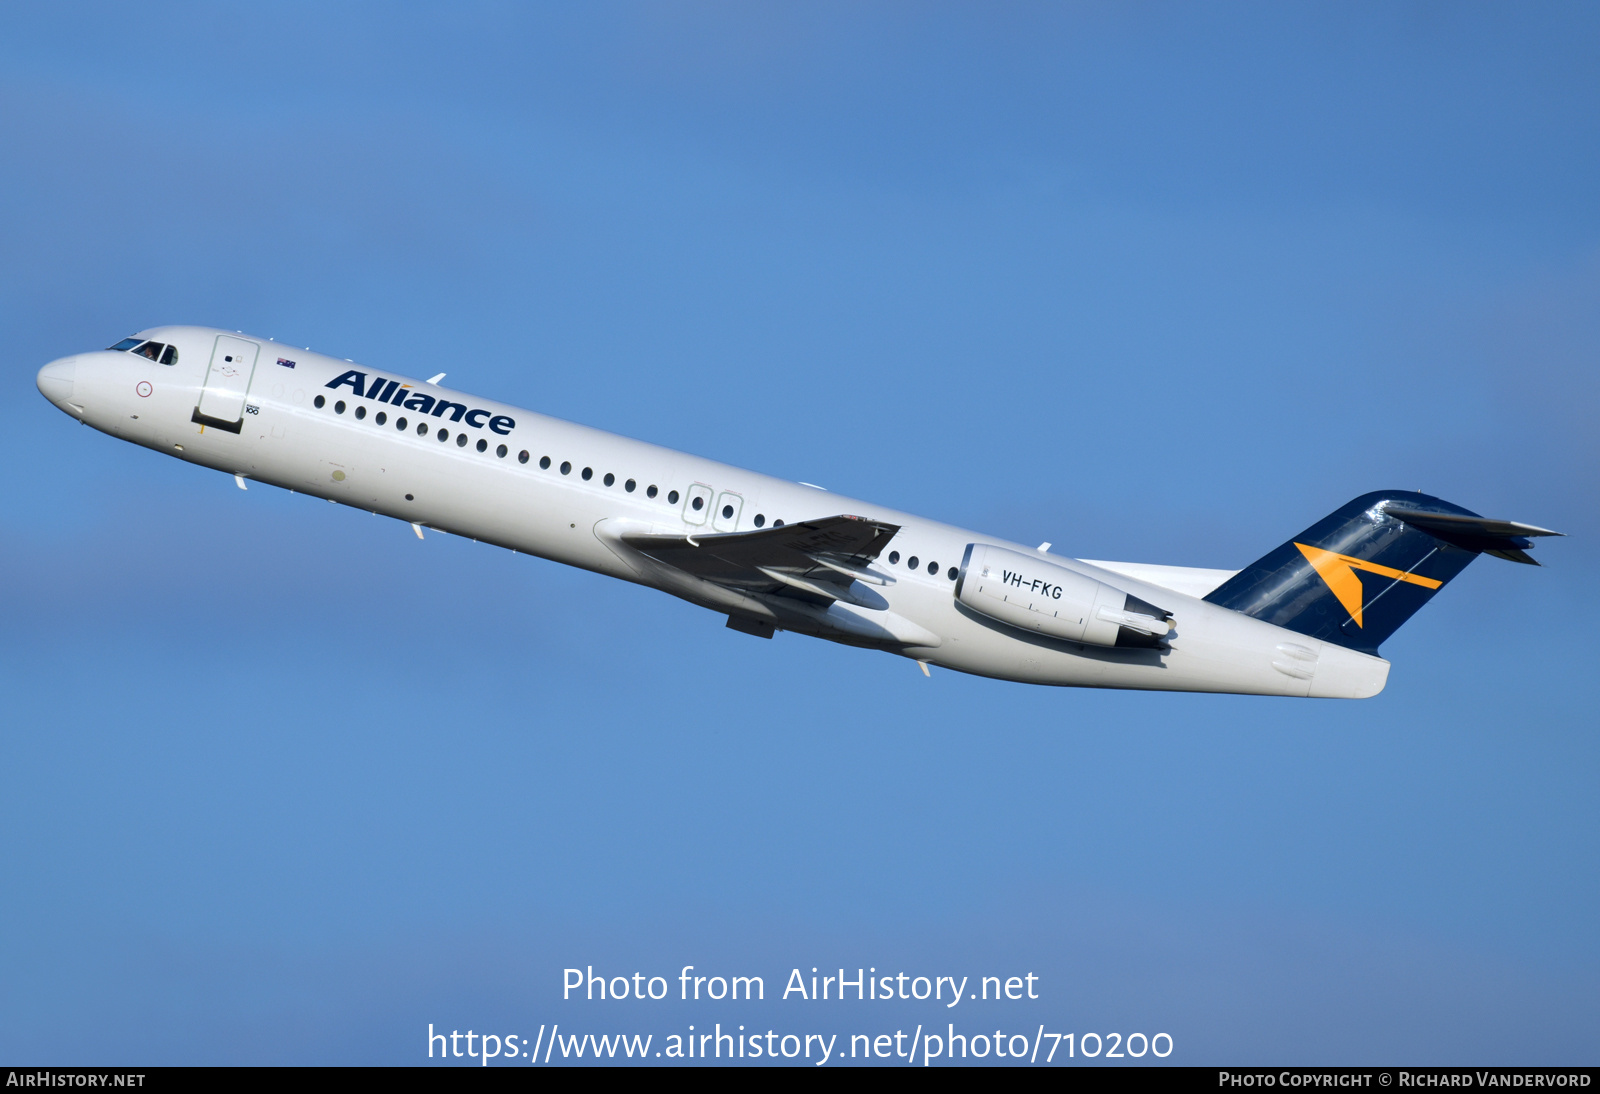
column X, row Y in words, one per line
column 1304, row 620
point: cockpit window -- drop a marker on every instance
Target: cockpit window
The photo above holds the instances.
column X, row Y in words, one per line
column 159, row 352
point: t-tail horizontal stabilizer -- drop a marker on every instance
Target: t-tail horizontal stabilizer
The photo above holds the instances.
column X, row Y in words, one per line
column 1501, row 538
column 1356, row 575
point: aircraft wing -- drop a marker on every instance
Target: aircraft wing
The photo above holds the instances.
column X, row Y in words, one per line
column 814, row 560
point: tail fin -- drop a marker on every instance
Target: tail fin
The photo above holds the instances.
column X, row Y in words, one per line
column 1354, row 576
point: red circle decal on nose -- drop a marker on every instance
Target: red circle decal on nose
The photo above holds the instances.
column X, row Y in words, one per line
column 143, row 389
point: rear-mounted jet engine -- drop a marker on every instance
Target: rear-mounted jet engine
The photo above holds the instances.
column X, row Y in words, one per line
column 1033, row 595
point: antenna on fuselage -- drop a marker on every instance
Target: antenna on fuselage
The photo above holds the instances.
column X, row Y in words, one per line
column 436, row 379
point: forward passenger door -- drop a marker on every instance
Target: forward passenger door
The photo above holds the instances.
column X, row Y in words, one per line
column 227, row 383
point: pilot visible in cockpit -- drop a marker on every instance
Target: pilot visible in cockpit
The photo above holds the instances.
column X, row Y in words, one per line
column 158, row 352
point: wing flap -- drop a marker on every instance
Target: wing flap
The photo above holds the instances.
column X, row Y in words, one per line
column 814, row 560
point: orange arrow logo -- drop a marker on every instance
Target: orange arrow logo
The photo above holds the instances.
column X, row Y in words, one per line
column 1338, row 572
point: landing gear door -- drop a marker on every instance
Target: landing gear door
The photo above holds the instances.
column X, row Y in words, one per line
column 233, row 364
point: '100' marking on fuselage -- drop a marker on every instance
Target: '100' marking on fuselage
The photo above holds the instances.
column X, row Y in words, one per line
column 401, row 395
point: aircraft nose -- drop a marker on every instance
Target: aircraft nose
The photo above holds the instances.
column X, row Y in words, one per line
column 56, row 383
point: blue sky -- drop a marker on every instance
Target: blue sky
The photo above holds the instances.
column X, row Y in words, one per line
column 1153, row 282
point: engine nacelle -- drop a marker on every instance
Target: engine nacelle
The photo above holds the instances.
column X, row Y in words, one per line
column 1033, row 595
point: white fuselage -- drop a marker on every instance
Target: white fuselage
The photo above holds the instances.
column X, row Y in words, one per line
column 577, row 517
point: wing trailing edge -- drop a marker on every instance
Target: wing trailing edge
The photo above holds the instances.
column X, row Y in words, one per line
column 816, row 561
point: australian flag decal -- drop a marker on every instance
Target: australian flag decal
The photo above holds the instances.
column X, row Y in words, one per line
column 285, row 363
